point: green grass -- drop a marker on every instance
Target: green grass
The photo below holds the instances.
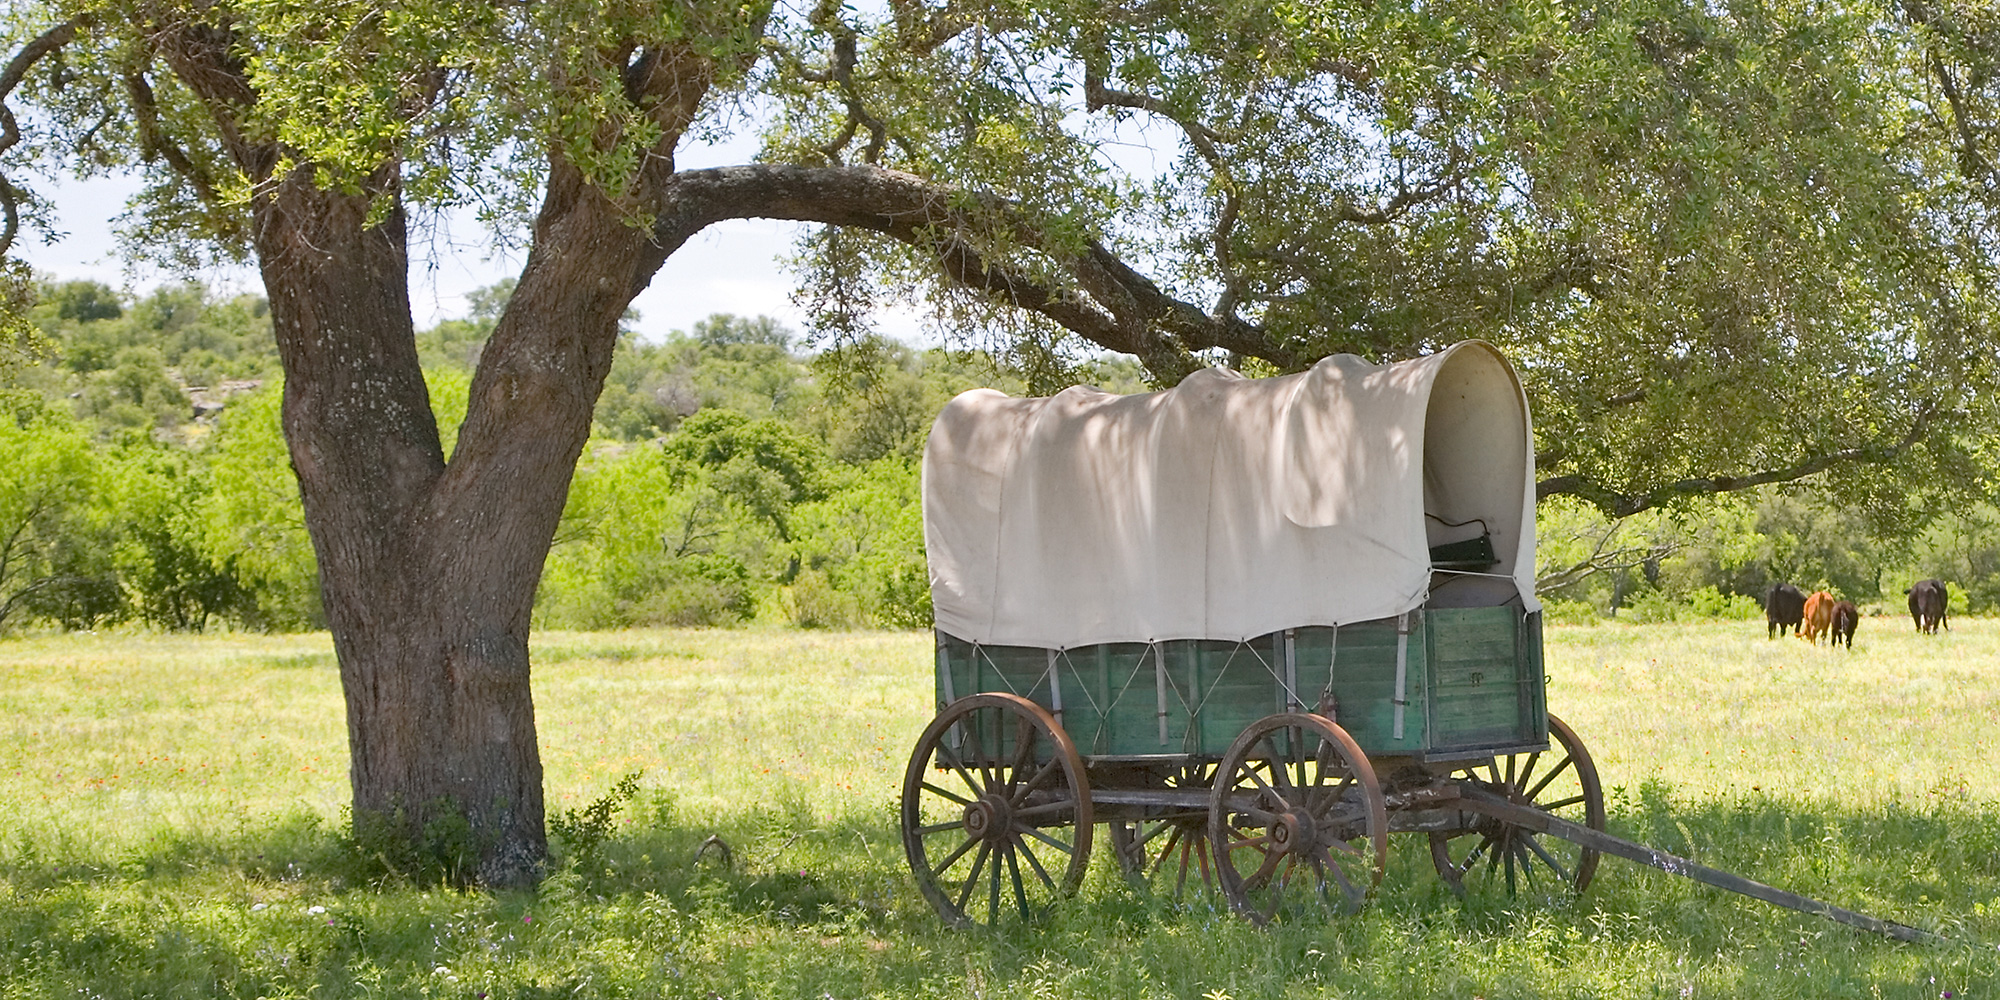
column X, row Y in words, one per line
column 172, row 828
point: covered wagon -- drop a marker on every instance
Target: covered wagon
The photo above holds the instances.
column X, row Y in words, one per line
column 1252, row 627
column 1241, row 622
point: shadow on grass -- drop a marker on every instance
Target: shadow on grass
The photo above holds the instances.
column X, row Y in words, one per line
column 810, row 903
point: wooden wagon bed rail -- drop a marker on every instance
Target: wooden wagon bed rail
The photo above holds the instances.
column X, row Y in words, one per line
column 1478, row 800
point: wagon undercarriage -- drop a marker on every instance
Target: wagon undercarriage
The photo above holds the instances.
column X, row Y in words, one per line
column 1000, row 812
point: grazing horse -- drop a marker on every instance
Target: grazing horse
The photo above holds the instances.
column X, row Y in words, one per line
column 1783, row 609
column 1818, row 616
column 1928, row 603
column 1845, row 617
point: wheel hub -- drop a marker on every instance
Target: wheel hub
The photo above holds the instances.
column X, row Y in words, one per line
column 1293, row 832
column 988, row 819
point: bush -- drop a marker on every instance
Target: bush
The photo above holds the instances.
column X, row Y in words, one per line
column 813, row 602
column 1709, row 602
column 1555, row 611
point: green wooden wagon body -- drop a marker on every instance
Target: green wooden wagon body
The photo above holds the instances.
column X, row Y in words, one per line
column 1443, row 684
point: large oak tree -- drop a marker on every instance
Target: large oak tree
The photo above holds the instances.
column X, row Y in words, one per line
column 1729, row 243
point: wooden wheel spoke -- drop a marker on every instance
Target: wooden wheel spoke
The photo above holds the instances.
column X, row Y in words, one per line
column 1277, row 900
column 1040, row 872
column 1536, row 846
column 1324, row 796
column 971, row 880
column 952, row 858
column 1180, row 882
column 1344, row 847
column 1172, row 839
column 1263, row 872
column 1527, row 864
column 1353, row 894
column 1567, row 762
column 987, row 769
column 1046, row 839
column 1020, row 891
column 1025, row 735
column 1279, row 763
column 1262, row 785
column 952, row 759
column 993, row 893
column 1528, row 769
column 925, row 831
column 1472, row 856
column 955, row 798
column 1564, row 803
column 1250, row 842
column 1035, row 783
column 1264, row 817
column 1045, row 809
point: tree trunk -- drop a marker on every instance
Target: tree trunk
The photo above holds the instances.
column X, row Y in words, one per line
column 428, row 570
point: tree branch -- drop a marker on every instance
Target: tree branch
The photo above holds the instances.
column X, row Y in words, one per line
column 1112, row 305
column 1616, row 504
column 10, row 130
column 153, row 141
column 1970, row 163
column 1600, row 561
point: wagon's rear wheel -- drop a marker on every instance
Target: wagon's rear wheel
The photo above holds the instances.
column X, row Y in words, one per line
column 996, row 812
column 1561, row 780
column 1296, row 822
column 1171, row 845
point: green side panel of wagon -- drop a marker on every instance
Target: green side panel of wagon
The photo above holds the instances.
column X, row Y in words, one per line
column 1444, row 682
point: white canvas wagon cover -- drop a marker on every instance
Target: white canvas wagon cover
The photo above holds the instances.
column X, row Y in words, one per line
column 1228, row 507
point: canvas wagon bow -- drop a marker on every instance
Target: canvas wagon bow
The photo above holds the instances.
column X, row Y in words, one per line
column 1253, row 626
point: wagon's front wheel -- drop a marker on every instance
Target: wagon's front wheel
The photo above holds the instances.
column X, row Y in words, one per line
column 1296, row 822
column 996, row 812
column 1561, row 781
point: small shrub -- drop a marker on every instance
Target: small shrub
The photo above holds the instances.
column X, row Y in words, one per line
column 813, row 602
column 584, row 831
column 1653, row 607
column 904, row 600
column 1709, row 602
column 1556, row 611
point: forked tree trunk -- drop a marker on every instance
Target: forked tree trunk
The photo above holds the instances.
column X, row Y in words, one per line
column 429, row 570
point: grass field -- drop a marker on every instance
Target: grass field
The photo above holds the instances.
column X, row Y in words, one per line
column 173, row 828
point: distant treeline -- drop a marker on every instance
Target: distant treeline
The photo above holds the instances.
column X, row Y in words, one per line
column 734, row 475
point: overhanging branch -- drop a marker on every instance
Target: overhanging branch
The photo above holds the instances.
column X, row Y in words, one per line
column 17, row 69
column 1617, row 504
column 1108, row 303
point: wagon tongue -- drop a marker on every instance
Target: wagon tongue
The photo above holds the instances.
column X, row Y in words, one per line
column 1500, row 807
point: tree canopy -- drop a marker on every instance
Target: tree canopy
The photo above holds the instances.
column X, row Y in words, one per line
column 1730, row 243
